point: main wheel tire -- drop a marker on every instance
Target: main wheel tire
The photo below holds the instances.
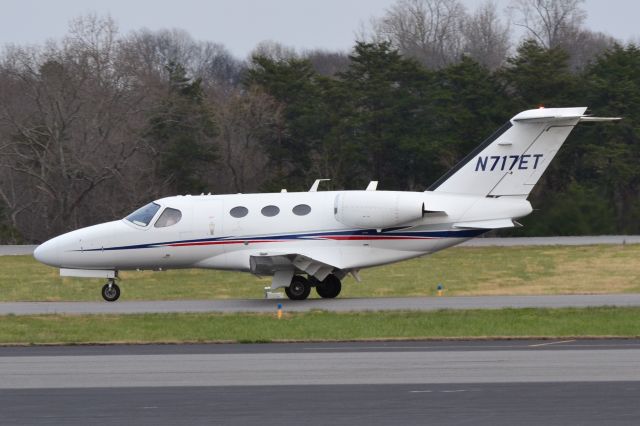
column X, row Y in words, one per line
column 329, row 288
column 110, row 292
column 299, row 288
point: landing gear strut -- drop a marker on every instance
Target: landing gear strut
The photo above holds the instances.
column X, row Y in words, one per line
column 111, row 291
column 299, row 288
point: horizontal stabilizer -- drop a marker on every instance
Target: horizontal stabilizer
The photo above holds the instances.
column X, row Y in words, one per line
column 548, row 115
column 486, row 224
column 586, row 118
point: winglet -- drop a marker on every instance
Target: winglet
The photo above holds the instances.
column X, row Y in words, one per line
column 373, row 185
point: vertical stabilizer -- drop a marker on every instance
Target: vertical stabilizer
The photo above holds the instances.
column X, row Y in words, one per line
column 513, row 159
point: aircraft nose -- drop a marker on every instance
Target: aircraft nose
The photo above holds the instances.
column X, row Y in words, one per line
column 48, row 253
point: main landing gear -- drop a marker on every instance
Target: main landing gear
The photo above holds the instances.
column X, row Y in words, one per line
column 329, row 288
column 300, row 287
column 110, row 291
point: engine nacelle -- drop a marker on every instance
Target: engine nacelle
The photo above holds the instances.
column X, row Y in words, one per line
column 377, row 209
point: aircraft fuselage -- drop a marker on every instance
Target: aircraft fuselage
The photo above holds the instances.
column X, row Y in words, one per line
column 208, row 236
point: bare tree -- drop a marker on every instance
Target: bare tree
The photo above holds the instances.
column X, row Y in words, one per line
column 586, row 46
column 74, row 116
column 274, row 50
column 486, row 38
column 428, row 30
column 245, row 120
column 553, row 23
column 173, row 45
column 92, row 44
column 559, row 23
column 66, row 117
column 327, row 63
column 217, row 66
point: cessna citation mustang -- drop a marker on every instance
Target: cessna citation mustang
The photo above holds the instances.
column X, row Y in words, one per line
column 315, row 239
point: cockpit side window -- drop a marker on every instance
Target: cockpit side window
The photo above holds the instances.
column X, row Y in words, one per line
column 168, row 217
column 143, row 215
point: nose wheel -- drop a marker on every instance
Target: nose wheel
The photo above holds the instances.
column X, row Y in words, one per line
column 110, row 291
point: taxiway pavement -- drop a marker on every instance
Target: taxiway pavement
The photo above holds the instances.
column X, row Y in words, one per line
column 334, row 305
column 6, row 250
column 490, row 382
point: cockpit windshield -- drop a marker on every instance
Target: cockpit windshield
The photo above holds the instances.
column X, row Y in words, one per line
column 143, row 215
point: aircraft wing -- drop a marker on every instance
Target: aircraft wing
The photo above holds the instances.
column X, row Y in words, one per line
column 319, row 266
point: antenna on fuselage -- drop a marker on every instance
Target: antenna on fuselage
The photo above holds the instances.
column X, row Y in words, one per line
column 373, row 185
column 314, row 187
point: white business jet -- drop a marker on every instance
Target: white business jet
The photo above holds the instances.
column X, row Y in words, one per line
column 316, row 238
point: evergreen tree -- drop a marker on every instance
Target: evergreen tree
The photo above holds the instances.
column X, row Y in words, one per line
column 386, row 117
column 180, row 132
column 469, row 104
column 538, row 76
column 295, row 84
column 612, row 152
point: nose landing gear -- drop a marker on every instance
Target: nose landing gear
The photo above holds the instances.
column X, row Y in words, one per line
column 110, row 291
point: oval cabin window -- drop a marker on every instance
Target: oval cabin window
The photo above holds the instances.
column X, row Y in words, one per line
column 301, row 210
column 168, row 217
column 270, row 211
column 239, row 212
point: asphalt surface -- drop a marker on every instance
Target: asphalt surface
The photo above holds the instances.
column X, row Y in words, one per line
column 477, row 383
column 553, row 241
column 334, row 305
column 17, row 250
column 474, row 242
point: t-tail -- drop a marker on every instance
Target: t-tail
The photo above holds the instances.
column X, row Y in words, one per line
column 512, row 160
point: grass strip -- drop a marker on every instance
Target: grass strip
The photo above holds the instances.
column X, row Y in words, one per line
column 463, row 271
column 320, row 326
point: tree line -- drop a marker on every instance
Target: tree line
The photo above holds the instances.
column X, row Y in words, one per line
column 96, row 124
